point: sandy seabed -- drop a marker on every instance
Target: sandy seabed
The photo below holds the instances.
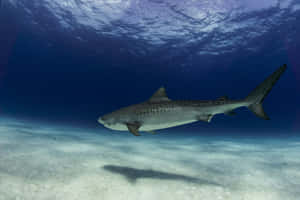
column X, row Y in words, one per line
column 41, row 163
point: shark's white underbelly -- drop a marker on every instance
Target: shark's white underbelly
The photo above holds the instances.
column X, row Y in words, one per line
column 149, row 127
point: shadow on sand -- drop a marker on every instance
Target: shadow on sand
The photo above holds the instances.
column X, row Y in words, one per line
column 133, row 174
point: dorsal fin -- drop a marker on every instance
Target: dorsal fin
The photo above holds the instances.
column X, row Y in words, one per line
column 223, row 98
column 159, row 95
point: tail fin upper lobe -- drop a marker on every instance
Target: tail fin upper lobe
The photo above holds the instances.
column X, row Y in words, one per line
column 257, row 96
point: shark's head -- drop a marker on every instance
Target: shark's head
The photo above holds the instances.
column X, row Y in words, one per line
column 107, row 120
column 111, row 121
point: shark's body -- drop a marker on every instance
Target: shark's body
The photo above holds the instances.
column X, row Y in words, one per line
column 159, row 112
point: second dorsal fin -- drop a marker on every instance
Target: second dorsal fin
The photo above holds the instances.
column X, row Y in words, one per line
column 159, row 95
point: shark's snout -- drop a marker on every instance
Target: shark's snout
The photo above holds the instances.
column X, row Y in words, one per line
column 105, row 120
column 100, row 120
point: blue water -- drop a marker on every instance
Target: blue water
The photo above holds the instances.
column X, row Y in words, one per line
column 64, row 63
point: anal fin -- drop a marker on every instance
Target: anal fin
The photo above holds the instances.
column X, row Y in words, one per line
column 205, row 118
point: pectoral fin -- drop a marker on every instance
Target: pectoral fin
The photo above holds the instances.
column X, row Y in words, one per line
column 134, row 128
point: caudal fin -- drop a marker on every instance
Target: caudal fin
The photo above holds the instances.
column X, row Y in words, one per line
column 257, row 96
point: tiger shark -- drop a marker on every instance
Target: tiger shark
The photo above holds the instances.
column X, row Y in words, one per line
column 160, row 112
